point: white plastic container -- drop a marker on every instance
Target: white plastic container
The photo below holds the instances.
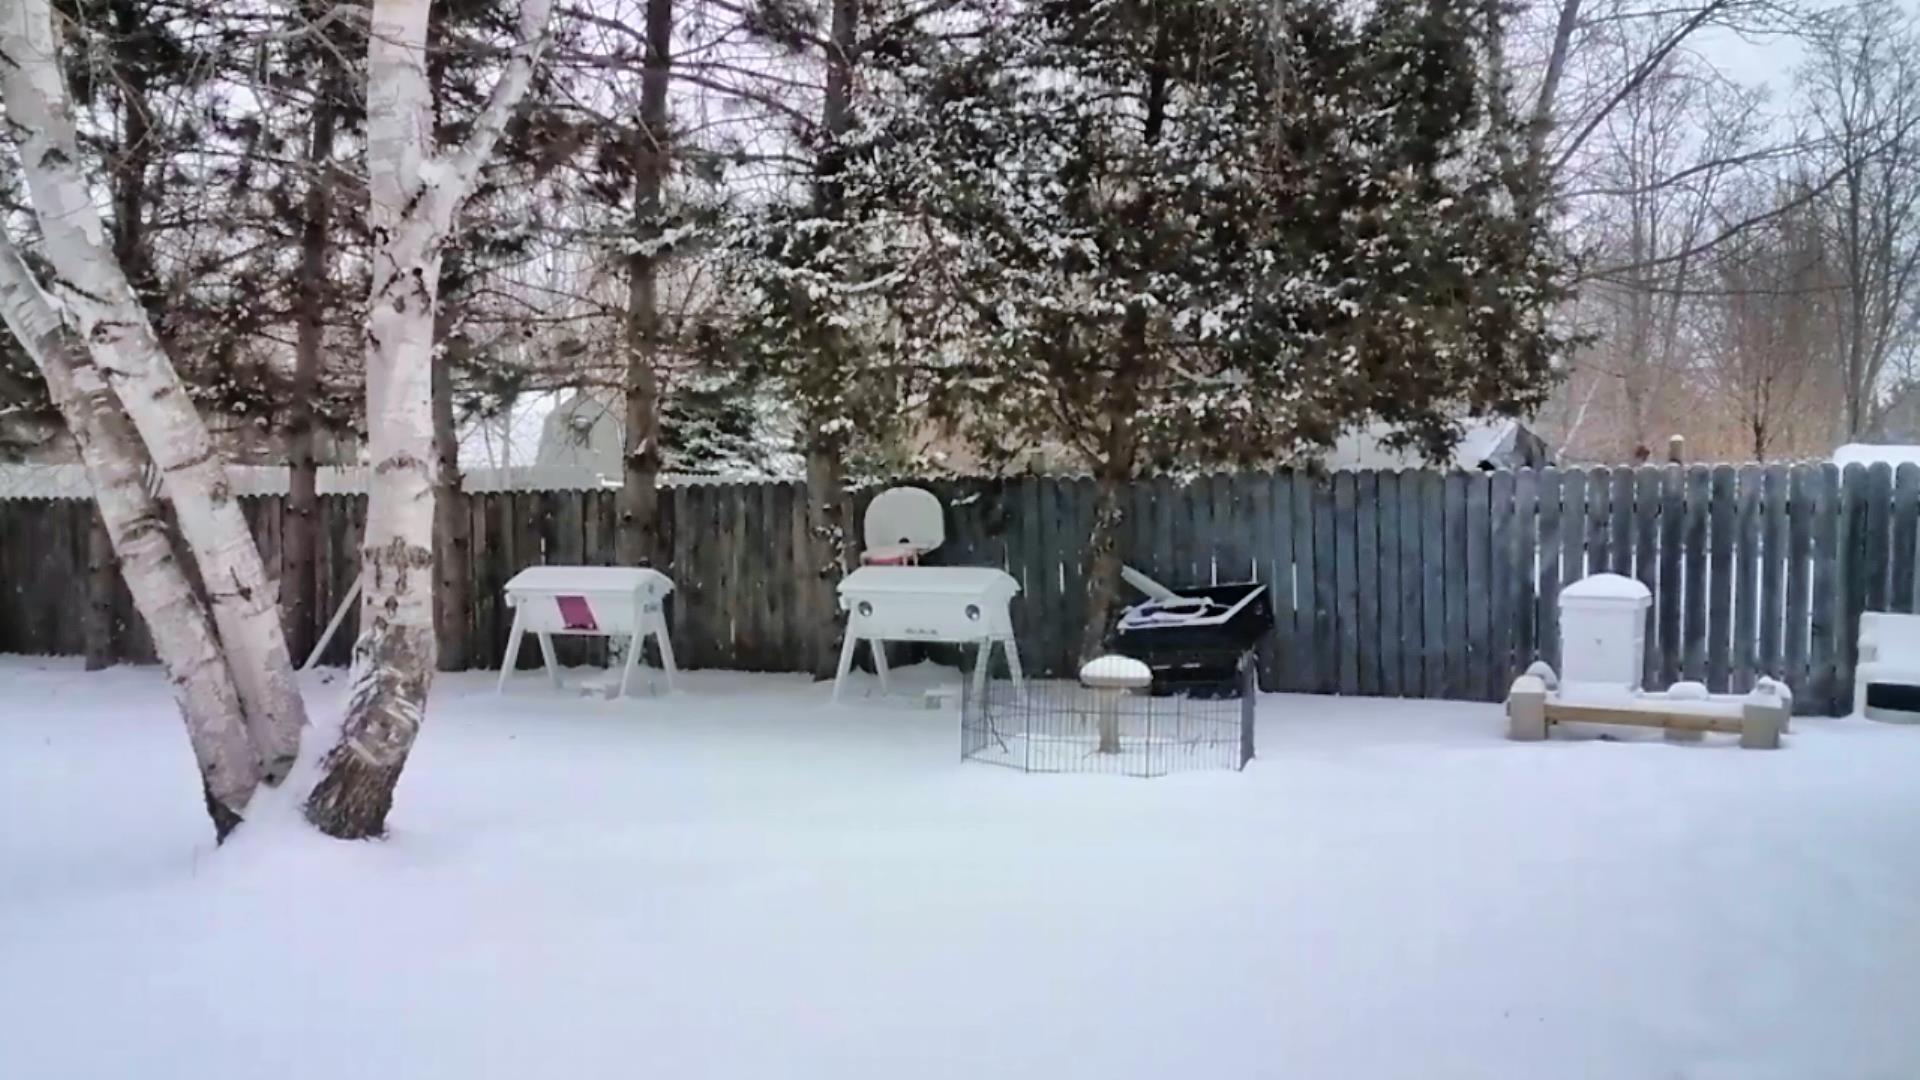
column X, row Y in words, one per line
column 1603, row 628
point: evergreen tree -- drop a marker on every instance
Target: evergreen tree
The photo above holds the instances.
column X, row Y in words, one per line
column 1169, row 234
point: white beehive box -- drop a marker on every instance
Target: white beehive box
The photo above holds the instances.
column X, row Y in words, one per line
column 1603, row 627
column 603, row 600
column 928, row 603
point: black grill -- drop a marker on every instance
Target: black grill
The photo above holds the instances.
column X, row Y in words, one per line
column 1200, row 656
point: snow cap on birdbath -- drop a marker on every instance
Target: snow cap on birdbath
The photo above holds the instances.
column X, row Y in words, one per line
column 1115, row 673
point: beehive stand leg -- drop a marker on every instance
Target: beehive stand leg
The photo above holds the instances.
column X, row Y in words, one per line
column 982, row 656
column 667, row 667
column 1013, row 663
column 513, row 649
column 632, row 661
column 553, row 664
column 879, row 650
column 846, row 664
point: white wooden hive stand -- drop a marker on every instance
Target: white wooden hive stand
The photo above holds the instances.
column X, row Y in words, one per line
column 958, row 604
column 590, row 601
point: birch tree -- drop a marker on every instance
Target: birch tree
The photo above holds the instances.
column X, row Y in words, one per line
column 91, row 285
column 183, row 637
column 415, row 189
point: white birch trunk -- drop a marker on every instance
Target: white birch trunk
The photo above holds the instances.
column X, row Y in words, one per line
column 182, row 635
column 94, row 290
column 414, row 192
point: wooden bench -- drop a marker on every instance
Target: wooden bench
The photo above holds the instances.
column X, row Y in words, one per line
column 1758, row 718
column 1887, row 676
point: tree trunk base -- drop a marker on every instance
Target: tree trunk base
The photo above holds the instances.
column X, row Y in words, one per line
column 225, row 818
column 352, row 800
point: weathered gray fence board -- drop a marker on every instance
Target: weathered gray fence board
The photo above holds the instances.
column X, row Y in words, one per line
column 1389, row 634
column 1547, row 608
column 483, row 651
column 1906, row 528
column 1346, row 599
column 1325, row 589
column 1231, row 563
column 1191, row 550
column 1479, row 588
column 1500, row 574
column 1303, row 657
column 1620, row 515
column 1747, row 555
column 680, row 604
column 1253, row 493
column 1366, row 621
column 1774, row 489
column 1720, row 524
column 1525, row 542
column 1599, row 514
column 1673, row 518
column 1023, row 555
column 1168, row 504
column 1875, row 545
column 1693, row 622
column 1413, row 645
column 1828, row 584
column 1456, row 584
column 691, row 582
column 753, row 563
column 1646, row 555
column 1573, row 527
column 1797, row 626
column 1433, row 590
column 1858, row 566
column 1044, row 598
column 1076, row 564
column 1277, row 505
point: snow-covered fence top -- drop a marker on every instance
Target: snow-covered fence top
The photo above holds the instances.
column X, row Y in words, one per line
column 1400, row 583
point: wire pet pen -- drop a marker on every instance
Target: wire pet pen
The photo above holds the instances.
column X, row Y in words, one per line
column 1059, row 726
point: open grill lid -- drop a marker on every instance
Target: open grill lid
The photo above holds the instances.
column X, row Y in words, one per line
column 1198, row 609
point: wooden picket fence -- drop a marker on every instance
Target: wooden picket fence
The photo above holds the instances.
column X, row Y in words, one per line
column 1416, row 583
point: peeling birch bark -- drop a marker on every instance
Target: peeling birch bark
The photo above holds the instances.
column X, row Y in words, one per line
column 182, row 635
column 414, row 191
column 93, row 289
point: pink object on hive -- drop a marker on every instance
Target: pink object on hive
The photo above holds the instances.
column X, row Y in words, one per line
column 892, row 555
column 577, row 612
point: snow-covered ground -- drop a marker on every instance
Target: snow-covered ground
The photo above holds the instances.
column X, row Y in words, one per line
column 742, row 881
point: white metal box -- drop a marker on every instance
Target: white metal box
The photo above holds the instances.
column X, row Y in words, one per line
column 928, row 603
column 1603, row 628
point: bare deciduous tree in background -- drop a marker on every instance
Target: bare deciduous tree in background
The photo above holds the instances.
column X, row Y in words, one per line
column 1863, row 92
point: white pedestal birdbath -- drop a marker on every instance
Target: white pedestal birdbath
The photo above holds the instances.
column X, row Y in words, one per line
column 1113, row 677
